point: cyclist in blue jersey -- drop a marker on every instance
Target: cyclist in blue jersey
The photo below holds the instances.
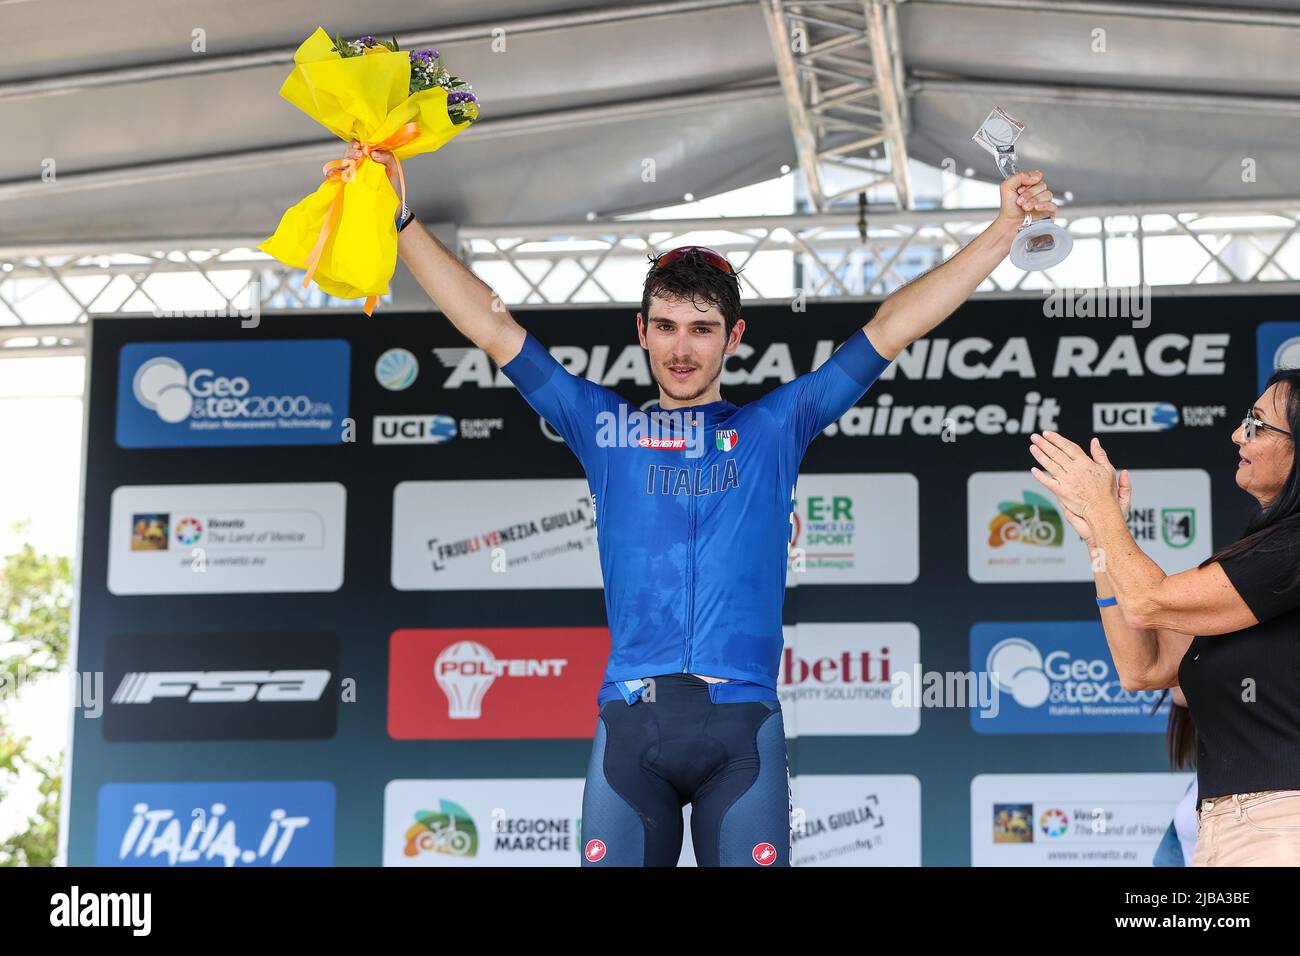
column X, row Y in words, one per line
column 693, row 501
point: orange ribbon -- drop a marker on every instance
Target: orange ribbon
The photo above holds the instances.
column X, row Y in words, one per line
column 344, row 171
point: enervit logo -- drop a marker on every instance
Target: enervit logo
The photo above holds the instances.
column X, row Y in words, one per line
column 1133, row 416
column 449, row 830
column 1033, row 521
column 413, row 429
column 222, row 687
column 466, row 670
column 595, row 850
column 396, row 370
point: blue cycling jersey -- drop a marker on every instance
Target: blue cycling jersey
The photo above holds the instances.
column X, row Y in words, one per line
column 693, row 514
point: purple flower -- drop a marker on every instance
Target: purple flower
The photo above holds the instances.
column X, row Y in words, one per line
column 460, row 98
column 367, row 41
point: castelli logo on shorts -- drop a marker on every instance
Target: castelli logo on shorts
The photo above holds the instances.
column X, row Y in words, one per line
column 764, row 854
column 596, row 850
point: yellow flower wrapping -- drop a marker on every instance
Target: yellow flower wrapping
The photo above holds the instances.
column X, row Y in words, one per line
column 364, row 98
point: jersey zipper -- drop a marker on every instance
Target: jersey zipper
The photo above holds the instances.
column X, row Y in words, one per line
column 690, row 577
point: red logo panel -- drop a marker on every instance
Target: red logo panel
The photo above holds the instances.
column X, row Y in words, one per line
column 503, row 683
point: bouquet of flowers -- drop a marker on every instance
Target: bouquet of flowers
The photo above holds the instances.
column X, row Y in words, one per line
column 345, row 234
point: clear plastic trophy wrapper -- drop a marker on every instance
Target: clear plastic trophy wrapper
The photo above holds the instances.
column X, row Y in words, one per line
column 1039, row 244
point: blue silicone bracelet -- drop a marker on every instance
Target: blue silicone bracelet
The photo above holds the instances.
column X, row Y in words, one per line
column 1106, row 602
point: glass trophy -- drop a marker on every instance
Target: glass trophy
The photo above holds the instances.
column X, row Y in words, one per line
column 1039, row 244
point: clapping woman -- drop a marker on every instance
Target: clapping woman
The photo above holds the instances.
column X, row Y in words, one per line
column 1227, row 632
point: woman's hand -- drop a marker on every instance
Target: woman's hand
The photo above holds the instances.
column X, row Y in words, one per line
column 1080, row 482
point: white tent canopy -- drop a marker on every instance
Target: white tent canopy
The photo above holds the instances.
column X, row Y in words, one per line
column 149, row 140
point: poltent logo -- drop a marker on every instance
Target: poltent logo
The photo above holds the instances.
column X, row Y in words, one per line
column 494, row 683
column 466, row 670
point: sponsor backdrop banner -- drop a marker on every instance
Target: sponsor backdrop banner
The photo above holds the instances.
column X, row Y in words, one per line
column 341, row 587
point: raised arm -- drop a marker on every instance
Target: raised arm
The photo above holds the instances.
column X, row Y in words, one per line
column 459, row 294
column 917, row 309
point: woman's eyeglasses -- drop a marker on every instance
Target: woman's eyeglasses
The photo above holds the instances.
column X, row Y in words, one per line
column 1250, row 425
column 713, row 258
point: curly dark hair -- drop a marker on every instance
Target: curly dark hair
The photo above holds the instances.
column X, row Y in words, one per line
column 691, row 278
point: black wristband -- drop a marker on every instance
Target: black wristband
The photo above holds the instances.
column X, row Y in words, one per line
column 404, row 220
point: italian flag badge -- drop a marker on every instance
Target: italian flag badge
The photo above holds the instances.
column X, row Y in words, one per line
column 726, row 439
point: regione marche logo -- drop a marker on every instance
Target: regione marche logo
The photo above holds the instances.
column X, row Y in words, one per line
column 232, row 393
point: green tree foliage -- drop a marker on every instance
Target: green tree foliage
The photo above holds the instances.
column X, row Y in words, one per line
column 35, row 627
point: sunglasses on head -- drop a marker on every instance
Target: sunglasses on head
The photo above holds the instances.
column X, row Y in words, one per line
column 712, row 257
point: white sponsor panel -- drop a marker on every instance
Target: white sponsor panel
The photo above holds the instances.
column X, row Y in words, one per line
column 484, row 535
column 223, row 539
column 857, row 820
column 838, row 679
column 509, row 822
column 1071, row 819
column 855, row 529
column 1016, row 530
